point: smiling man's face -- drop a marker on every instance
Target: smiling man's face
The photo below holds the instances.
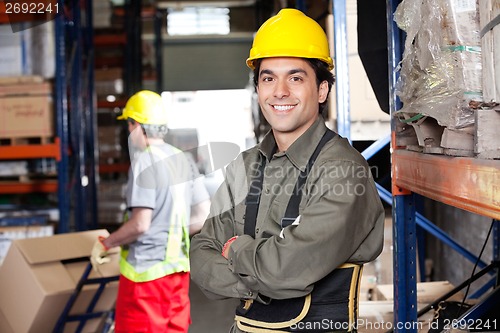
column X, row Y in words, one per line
column 289, row 95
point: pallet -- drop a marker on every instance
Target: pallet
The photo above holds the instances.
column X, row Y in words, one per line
column 28, row 178
column 480, row 140
column 25, row 79
column 428, row 135
column 34, row 140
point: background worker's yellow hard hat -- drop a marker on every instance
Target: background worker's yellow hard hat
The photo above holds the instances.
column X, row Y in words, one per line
column 145, row 107
column 290, row 33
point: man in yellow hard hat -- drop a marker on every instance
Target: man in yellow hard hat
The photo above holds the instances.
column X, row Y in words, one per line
column 166, row 201
column 298, row 214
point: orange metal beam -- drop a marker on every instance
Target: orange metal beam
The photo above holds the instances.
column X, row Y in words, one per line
column 467, row 183
column 108, row 61
column 110, row 168
column 12, row 187
column 31, row 151
column 110, row 39
column 115, row 104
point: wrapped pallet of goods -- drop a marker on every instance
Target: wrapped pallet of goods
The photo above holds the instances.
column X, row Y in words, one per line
column 440, row 82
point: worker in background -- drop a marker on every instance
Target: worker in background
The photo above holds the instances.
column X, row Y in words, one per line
column 299, row 214
column 166, row 202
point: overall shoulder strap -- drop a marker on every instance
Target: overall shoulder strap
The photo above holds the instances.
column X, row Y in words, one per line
column 253, row 198
column 292, row 210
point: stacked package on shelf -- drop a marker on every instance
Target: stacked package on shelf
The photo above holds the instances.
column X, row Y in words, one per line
column 108, row 81
column 27, row 49
column 110, row 149
column 26, row 108
column 102, row 11
column 440, row 73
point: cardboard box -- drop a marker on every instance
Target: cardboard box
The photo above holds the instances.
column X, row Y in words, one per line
column 26, row 111
column 4, row 325
column 427, row 292
column 39, row 275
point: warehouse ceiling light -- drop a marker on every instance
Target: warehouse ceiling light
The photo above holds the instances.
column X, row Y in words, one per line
column 198, row 21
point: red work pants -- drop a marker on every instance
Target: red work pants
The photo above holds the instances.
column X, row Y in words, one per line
column 158, row 306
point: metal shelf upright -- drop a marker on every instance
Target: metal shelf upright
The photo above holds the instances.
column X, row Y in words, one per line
column 75, row 118
column 466, row 183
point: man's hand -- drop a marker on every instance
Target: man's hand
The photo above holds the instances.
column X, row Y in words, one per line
column 225, row 248
column 99, row 253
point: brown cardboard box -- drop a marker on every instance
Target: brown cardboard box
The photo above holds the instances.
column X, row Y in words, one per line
column 4, row 325
column 39, row 275
column 427, row 292
column 26, row 111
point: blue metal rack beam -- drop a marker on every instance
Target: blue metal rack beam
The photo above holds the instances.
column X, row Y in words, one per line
column 404, row 257
column 376, row 146
column 91, row 120
column 61, row 108
column 77, row 125
column 405, row 284
column 77, row 180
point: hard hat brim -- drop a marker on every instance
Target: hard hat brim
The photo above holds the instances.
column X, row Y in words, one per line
column 250, row 61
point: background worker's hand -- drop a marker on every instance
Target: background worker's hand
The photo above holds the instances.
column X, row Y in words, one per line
column 99, row 253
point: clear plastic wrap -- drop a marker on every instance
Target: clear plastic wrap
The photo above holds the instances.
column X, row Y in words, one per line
column 440, row 73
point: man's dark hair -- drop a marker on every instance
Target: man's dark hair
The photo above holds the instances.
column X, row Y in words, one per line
column 320, row 69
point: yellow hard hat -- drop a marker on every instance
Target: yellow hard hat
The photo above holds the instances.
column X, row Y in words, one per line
column 145, row 107
column 290, row 33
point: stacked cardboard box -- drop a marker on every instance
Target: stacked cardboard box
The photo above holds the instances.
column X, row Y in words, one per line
column 26, row 108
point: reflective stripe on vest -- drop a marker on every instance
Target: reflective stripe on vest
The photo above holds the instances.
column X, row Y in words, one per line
column 176, row 255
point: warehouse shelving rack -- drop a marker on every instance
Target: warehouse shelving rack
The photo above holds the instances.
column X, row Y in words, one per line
column 466, row 183
column 73, row 146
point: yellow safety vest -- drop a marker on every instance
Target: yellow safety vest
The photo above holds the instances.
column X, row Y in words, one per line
column 177, row 255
